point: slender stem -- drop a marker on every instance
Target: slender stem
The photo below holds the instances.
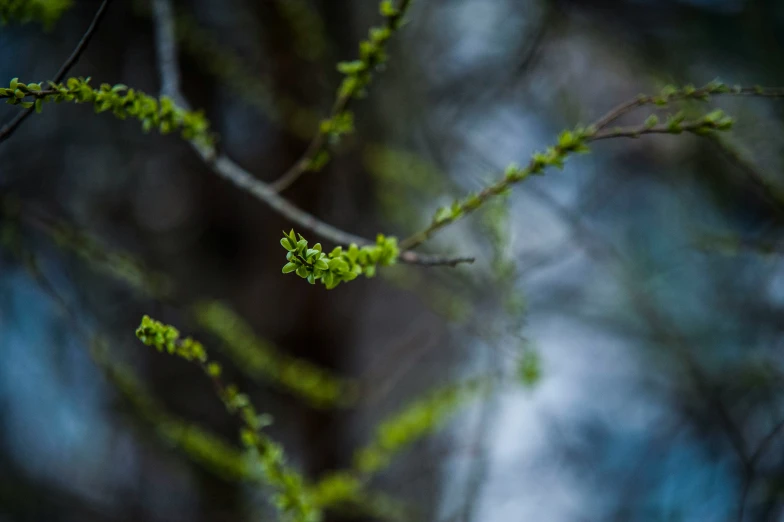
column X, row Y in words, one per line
column 11, row 127
column 637, row 131
column 320, row 143
column 698, row 94
column 595, row 132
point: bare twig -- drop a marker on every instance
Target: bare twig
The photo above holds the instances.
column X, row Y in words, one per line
column 11, row 127
column 229, row 170
column 754, row 460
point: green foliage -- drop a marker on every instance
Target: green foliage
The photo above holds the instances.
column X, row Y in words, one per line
column 292, row 498
column 337, row 126
column 404, row 181
column 529, row 368
column 46, row 12
column 372, row 52
column 670, row 93
column 420, row 418
column 201, row 446
column 167, row 338
column 205, row 448
column 161, row 114
column 338, row 488
column 261, row 360
column 345, row 489
column 119, row 265
column 358, row 75
column 339, row 265
column 568, row 142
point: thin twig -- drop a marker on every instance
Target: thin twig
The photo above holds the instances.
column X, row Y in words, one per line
column 766, row 442
column 320, row 142
column 624, row 108
column 11, row 127
column 754, row 459
column 595, row 132
column 228, row 169
column 636, row 131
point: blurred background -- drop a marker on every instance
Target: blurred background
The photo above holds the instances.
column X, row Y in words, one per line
column 626, row 311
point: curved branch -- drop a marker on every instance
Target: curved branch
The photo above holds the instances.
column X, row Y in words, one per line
column 227, row 169
column 571, row 142
column 224, row 167
column 687, row 93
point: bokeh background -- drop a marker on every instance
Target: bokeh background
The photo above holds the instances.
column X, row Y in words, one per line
column 629, row 306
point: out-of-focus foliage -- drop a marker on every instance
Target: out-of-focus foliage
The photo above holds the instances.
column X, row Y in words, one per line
column 261, row 360
column 47, row 12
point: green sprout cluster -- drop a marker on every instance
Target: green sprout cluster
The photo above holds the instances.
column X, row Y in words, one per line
column 372, row 53
column 46, row 12
column 161, row 114
column 358, row 75
column 292, row 497
column 166, row 338
column 340, row 265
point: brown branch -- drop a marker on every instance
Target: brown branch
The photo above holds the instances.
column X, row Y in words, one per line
column 11, row 127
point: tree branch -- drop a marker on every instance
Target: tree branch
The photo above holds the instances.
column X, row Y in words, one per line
column 11, row 127
column 712, row 89
column 320, row 143
column 575, row 141
column 636, row 131
column 229, row 170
